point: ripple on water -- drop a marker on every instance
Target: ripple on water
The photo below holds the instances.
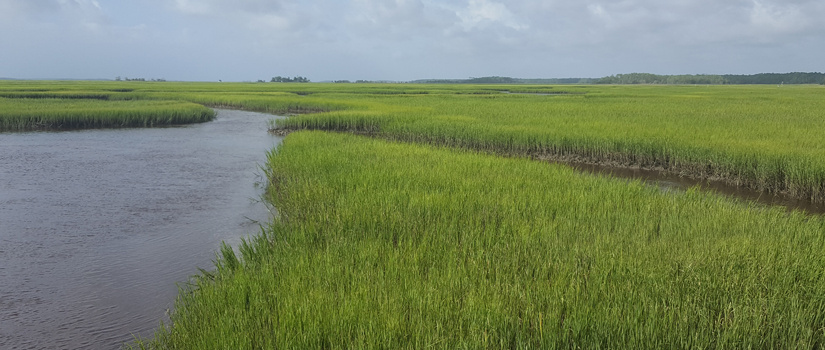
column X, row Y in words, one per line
column 98, row 226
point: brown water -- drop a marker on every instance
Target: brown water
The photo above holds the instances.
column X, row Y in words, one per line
column 669, row 182
column 98, row 226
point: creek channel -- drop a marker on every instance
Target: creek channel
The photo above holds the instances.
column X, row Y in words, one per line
column 673, row 182
column 98, row 226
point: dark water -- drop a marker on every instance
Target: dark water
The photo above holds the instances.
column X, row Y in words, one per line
column 96, row 227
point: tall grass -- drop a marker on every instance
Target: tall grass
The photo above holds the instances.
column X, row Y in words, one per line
column 385, row 245
column 266, row 102
column 764, row 138
column 51, row 114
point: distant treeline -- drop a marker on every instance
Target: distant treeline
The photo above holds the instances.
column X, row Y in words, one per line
column 506, row 80
column 138, row 79
column 280, row 79
column 647, row 78
column 357, row 81
column 762, row 78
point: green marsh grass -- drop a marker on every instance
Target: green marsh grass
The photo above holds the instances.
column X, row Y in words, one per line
column 388, row 245
column 761, row 137
column 53, row 114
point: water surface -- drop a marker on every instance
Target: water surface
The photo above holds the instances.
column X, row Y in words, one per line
column 97, row 226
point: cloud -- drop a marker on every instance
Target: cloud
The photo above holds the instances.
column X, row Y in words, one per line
column 779, row 19
column 480, row 13
column 194, row 7
column 221, row 7
column 20, row 10
column 88, row 13
column 652, row 23
column 263, row 22
column 394, row 21
column 407, row 39
column 65, row 14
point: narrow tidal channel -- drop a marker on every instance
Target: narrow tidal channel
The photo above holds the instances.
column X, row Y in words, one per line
column 671, row 182
column 98, row 226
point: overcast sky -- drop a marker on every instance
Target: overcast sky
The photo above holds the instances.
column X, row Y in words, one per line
column 241, row 40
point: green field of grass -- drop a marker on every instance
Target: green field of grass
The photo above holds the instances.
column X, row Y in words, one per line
column 440, row 231
column 388, row 245
column 762, row 137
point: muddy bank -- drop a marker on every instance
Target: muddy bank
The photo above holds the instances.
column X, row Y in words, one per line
column 281, row 132
column 681, row 180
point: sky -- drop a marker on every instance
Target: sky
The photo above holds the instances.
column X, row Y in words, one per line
column 401, row 40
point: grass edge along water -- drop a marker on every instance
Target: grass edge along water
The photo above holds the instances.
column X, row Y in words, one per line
column 765, row 138
column 24, row 114
column 389, row 245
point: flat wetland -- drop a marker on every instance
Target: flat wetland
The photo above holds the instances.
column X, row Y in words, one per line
column 421, row 216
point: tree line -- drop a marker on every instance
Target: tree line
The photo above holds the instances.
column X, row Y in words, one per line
column 708, row 79
column 137, row 79
column 648, row 78
column 280, row 79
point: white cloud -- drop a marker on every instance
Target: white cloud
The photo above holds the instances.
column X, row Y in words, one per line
column 61, row 13
column 393, row 21
column 264, row 22
column 194, row 7
column 778, row 19
column 224, row 7
column 406, row 39
column 695, row 22
column 87, row 13
column 269, row 21
column 480, row 13
column 22, row 10
column 387, row 13
column 82, row 4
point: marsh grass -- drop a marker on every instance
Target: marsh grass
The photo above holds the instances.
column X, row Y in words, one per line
column 760, row 137
column 392, row 245
column 387, row 245
column 57, row 114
